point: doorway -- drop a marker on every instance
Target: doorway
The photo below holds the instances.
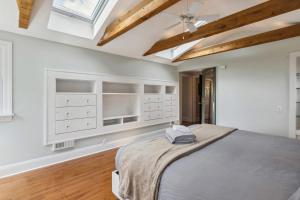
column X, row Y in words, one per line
column 198, row 97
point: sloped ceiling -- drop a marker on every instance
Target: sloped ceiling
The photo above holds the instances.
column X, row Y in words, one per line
column 138, row 40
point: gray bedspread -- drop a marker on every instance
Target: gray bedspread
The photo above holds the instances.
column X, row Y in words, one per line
column 241, row 166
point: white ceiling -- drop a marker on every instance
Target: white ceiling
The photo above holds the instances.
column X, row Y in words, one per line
column 138, row 40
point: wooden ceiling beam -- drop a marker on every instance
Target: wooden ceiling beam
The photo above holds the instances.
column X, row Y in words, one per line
column 139, row 14
column 251, row 15
column 25, row 10
column 271, row 36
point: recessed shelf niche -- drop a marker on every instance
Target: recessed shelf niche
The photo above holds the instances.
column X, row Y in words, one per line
column 130, row 119
column 114, row 87
column 120, row 103
column 110, row 122
column 74, row 86
column 170, row 90
column 152, row 89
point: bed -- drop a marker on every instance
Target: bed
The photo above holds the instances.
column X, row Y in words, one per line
column 240, row 166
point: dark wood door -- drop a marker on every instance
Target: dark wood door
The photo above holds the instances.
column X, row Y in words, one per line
column 209, row 96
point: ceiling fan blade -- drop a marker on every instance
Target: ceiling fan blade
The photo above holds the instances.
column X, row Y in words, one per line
column 208, row 18
column 192, row 28
column 170, row 15
column 293, row 23
column 194, row 8
column 173, row 25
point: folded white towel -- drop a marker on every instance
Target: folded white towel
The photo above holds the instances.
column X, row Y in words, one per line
column 181, row 128
column 178, row 137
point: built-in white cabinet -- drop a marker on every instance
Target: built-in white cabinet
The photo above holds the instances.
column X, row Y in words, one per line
column 294, row 100
column 79, row 105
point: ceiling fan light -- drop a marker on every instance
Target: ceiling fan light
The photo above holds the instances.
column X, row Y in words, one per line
column 192, row 28
column 200, row 23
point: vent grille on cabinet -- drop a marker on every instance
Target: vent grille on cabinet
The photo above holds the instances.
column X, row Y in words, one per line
column 63, row 145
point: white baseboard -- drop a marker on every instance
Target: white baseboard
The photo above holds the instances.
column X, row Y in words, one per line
column 25, row 166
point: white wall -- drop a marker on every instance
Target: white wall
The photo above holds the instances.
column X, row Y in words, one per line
column 21, row 139
column 252, row 87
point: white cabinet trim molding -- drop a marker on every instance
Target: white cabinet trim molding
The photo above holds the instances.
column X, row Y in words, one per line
column 37, row 163
column 293, row 132
column 6, row 76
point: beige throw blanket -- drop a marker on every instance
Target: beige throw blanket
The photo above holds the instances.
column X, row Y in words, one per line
column 143, row 163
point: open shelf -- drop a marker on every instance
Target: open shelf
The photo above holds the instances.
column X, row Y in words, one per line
column 119, row 88
column 124, row 116
column 75, row 86
column 120, row 105
column 110, row 122
column 120, row 93
column 130, row 119
column 170, row 90
column 297, row 123
column 152, row 89
column 118, row 120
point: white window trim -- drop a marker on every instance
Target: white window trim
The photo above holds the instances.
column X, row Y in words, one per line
column 6, row 71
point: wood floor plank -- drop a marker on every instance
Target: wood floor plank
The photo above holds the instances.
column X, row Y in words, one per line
column 87, row 178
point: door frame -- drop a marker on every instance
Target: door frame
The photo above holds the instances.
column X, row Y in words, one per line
column 181, row 76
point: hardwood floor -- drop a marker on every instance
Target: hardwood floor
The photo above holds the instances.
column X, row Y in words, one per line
column 87, row 178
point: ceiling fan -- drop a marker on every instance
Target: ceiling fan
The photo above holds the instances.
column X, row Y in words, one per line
column 189, row 19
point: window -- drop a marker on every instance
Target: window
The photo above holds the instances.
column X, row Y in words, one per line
column 175, row 52
column 5, row 81
column 86, row 10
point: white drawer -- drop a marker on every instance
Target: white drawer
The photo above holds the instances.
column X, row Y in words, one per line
column 157, row 98
column 157, row 115
column 75, row 125
column 168, row 114
column 153, row 115
column 153, row 98
column 147, row 116
column 75, row 112
column 168, row 97
column 147, row 98
column 148, row 107
column 174, row 114
column 170, row 108
column 168, row 103
column 174, row 102
column 174, row 108
column 159, row 106
column 63, row 127
column 174, row 98
column 75, row 100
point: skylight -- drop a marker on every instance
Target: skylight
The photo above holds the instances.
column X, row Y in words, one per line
column 86, row 10
column 174, row 53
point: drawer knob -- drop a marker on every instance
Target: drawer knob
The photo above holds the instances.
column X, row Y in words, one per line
column 68, row 100
column 67, row 113
column 87, row 124
column 68, row 126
